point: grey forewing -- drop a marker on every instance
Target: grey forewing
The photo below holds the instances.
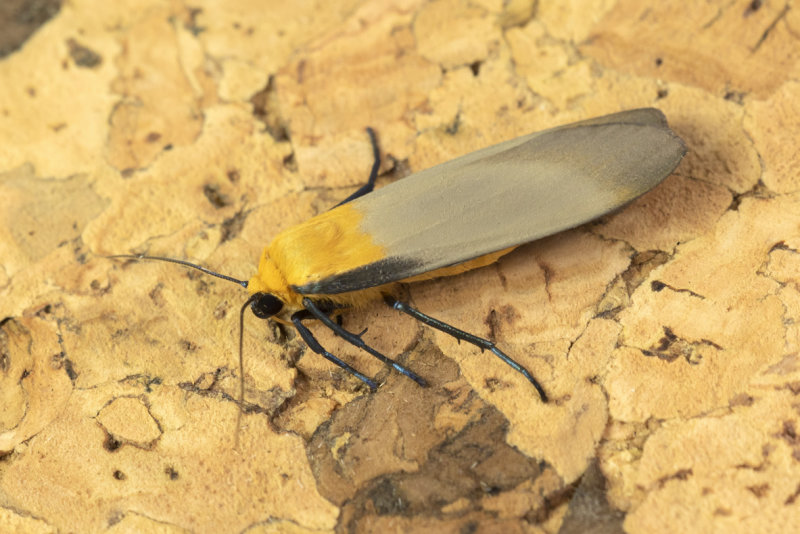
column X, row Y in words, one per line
column 509, row 194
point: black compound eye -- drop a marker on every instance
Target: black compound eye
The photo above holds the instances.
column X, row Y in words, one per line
column 265, row 305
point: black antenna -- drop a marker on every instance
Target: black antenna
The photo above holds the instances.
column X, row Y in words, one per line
column 246, row 305
column 249, row 301
column 242, row 283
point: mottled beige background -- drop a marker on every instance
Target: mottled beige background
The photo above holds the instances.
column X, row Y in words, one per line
column 668, row 335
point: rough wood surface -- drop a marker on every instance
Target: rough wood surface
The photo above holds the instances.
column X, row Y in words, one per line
column 667, row 335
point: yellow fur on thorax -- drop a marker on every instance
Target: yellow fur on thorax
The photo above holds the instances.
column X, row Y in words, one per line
column 328, row 244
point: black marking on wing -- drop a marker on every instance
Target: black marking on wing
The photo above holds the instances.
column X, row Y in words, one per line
column 371, row 275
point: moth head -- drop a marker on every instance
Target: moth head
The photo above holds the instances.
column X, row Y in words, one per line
column 265, row 305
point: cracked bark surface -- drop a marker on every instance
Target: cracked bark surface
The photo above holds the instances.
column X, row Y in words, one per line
column 666, row 334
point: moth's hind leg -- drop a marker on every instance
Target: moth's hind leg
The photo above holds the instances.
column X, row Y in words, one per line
column 483, row 344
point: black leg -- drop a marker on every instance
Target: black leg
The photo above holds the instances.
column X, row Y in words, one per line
column 314, row 345
column 355, row 340
column 373, row 174
column 483, row 344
